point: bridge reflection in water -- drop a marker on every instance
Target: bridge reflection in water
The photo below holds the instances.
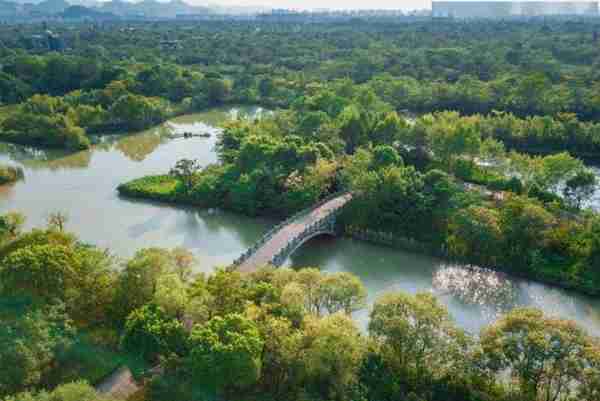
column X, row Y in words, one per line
column 282, row 240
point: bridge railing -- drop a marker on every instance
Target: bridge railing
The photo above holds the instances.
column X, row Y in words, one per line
column 269, row 234
column 315, row 227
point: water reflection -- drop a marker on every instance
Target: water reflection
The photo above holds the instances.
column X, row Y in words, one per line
column 83, row 184
column 493, row 292
column 47, row 159
column 474, row 296
column 138, row 147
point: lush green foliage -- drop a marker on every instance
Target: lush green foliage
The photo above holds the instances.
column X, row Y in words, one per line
column 149, row 332
column 69, row 103
column 75, row 391
column 451, row 178
column 273, row 333
column 225, row 353
column 10, row 174
column 29, row 345
column 541, row 77
column 441, row 179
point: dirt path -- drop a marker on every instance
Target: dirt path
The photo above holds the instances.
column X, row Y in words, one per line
column 120, row 384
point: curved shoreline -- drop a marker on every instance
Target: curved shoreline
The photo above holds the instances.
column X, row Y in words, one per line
column 142, row 189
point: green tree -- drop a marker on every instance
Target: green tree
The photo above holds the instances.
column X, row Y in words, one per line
column 524, row 224
column 475, row 234
column 45, row 271
column 417, row 336
column 30, row 346
column 138, row 112
column 137, row 283
column 184, row 262
column 228, row 292
column 341, row 292
column 266, row 87
column 389, row 129
column 353, row 128
column 333, row 354
column 171, row 294
column 385, row 156
column 281, row 370
column 41, row 121
column 57, row 221
column 150, row 332
column 217, row 91
column 225, row 353
column 186, row 170
column 451, row 137
column 76, row 391
column 10, row 225
column 546, row 355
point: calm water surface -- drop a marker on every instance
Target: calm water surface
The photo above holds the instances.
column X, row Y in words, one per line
column 83, row 185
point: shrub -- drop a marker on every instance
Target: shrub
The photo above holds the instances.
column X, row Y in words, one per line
column 10, row 174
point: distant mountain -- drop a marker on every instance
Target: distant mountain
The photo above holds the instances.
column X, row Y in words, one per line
column 81, row 12
column 239, row 10
column 51, row 7
column 118, row 7
column 21, row 2
column 152, row 8
column 93, row 9
column 86, row 3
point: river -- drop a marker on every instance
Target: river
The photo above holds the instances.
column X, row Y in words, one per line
column 83, row 185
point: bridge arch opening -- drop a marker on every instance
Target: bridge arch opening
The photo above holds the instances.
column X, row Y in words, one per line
column 309, row 238
column 319, row 243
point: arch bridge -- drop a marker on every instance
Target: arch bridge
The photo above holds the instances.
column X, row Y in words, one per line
column 284, row 239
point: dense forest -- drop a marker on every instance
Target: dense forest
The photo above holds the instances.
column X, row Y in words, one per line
column 542, row 76
column 273, row 334
column 466, row 138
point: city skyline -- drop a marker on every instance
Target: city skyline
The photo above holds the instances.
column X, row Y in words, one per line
column 405, row 5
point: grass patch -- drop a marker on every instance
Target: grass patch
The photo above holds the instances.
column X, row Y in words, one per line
column 165, row 188
column 157, row 187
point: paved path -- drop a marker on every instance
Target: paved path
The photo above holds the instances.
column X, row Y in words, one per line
column 265, row 254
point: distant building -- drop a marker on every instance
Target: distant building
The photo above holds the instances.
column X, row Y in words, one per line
column 170, row 44
column 48, row 40
column 508, row 9
column 55, row 42
column 325, row 15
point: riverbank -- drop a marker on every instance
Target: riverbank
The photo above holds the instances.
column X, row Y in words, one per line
column 56, row 132
column 164, row 188
column 390, row 240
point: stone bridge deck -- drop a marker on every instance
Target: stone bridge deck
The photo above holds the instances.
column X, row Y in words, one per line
column 291, row 234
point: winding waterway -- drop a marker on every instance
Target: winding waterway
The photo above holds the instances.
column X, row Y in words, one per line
column 83, row 185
